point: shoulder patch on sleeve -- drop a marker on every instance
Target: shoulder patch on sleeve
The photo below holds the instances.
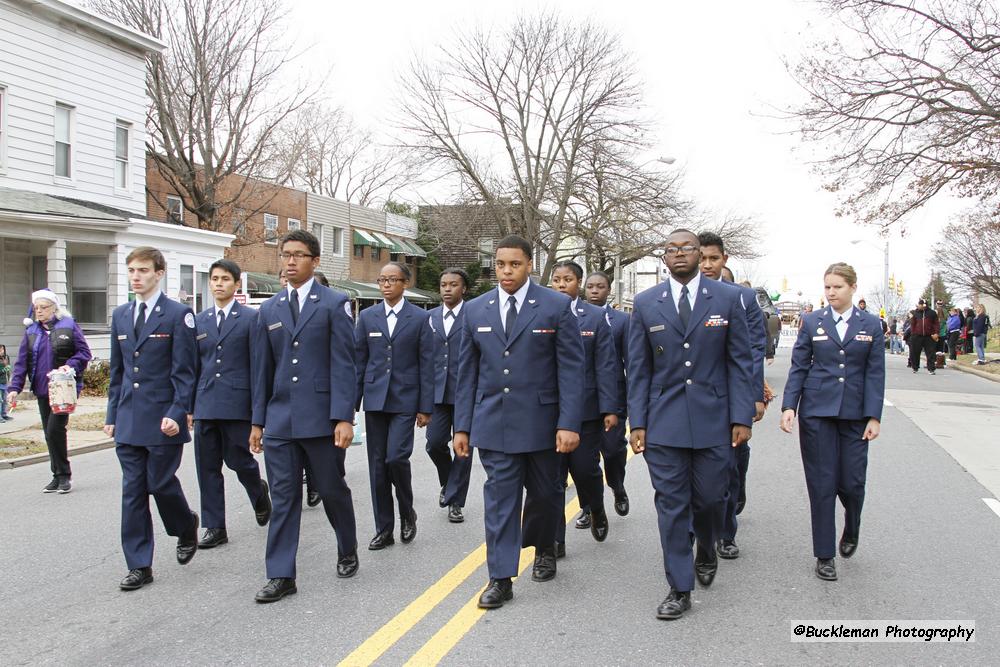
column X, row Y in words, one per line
column 348, row 310
column 189, row 320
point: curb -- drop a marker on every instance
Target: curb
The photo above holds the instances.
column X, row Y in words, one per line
column 976, row 371
column 31, row 459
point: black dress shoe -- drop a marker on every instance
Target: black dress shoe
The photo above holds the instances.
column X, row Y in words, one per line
column 740, row 504
column 187, row 543
column 848, row 545
column 599, row 525
column 455, row 514
column 560, row 549
column 262, row 508
column 381, row 541
column 498, row 592
column 213, row 537
column 313, row 499
column 621, row 503
column 582, row 520
column 545, row 564
column 347, row 566
column 826, row 569
column 275, row 589
column 706, row 564
column 674, row 606
column 136, row 579
column 408, row 528
column 727, row 549
column 441, row 501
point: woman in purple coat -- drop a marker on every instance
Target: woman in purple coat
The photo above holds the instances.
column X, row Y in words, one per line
column 52, row 340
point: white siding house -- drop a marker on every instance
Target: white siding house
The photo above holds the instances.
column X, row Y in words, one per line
column 72, row 167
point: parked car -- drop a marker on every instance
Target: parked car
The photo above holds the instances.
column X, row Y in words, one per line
column 772, row 318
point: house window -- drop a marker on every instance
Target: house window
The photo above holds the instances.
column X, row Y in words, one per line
column 186, row 294
column 317, row 231
column 486, row 252
column 376, row 254
column 359, row 251
column 3, row 127
column 338, row 248
column 294, row 224
column 123, row 132
column 88, row 278
column 175, row 209
column 64, row 141
column 270, row 228
column 394, row 257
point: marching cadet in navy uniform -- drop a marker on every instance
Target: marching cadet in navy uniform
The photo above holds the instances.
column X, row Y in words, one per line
column 689, row 387
column 713, row 261
column 303, row 409
column 518, row 380
column 600, row 403
column 446, row 322
column 836, row 385
column 614, row 446
column 153, row 360
column 395, row 375
column 222, row 408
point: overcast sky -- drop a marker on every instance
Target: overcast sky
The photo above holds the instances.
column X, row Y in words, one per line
column 712, row 74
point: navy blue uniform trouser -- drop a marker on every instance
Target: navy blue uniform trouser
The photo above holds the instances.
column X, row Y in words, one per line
column 736, row 491
column 217, row 441
column 150, row 471
column 284, row 460
column 835, row 460
column 390, row 444
column 453, row 471
column 614, row 448
column 689, row 488
column 584, row 463
column 508, row 477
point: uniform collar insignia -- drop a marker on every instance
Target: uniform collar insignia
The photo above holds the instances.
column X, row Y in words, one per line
column 531, row 301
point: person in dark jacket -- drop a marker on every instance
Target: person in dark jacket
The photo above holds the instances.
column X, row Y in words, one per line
column 52, row 341
column 923, row 336
column 980, row 327
column 970, row 316
column 5, row 370
column 954, row 331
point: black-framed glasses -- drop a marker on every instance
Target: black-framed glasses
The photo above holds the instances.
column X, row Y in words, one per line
column 684, row 249
column 389, row 281
column 297, row 256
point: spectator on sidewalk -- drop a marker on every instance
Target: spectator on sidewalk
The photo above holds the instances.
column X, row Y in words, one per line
column 923, row 336
column 52, row 341
column 970, row 316
column 980, row 327
column 895, row 341
column 4, row 379
column 954, row 330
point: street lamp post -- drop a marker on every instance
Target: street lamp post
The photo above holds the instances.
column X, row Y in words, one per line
column 885, row 268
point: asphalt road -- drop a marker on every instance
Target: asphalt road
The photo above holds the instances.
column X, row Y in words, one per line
column 928, row 547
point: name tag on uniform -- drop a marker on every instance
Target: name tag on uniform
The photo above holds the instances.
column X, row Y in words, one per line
column 716, row 321
column 658, row 327
column 863, row 339
column 821, row 338
column 484, row 329
column 122, row 337
column 586, row 333
column 547, row 331
column 200, row 336
column 272, row 327
column 160, row 335
column 374, row 334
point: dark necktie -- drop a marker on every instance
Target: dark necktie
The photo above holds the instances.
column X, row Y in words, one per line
column 684, row 307
column 508, row 326
column 141, row 319
column 222, row 318
column 294, row 299
column 449, row 314
column 836, row 325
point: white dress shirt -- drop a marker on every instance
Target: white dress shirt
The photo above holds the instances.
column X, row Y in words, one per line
column 675, row 290
column 225, row 310
column 842, row 324
column 150, row 304
column 303, row 291
column 397, row 309
column 520, row 295
column 449, row 321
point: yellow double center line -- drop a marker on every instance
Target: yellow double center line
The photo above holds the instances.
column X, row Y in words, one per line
column 445, row 639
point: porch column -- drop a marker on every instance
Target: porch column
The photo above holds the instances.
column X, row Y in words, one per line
column 56, row 270
column 117, row 278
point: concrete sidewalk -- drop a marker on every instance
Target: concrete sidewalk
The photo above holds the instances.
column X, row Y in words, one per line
column 26, row 425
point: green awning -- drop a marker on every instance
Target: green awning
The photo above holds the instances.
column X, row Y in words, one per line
column 392, row 244
column 422, row 296
column 262, row 283
column 413, row 249
column 356, row 290
column 363, row 237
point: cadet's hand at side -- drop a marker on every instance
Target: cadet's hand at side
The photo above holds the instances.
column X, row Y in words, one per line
column 566, row 441
column 343, row 434
column 461, row 445
column 637, row 439
column 787, row 420
column 109, row 430
column 169, row 427
column 190, row 422
column 423, row 419
column 760, row 407
column 610, row 421
column 256, row 434
column 872, row 430
column 741, row 435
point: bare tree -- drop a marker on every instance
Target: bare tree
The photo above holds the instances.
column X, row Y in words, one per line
column 327, row 153
column 907, row 103
column 219, row 95
column 969, row 257
column 509, row 112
